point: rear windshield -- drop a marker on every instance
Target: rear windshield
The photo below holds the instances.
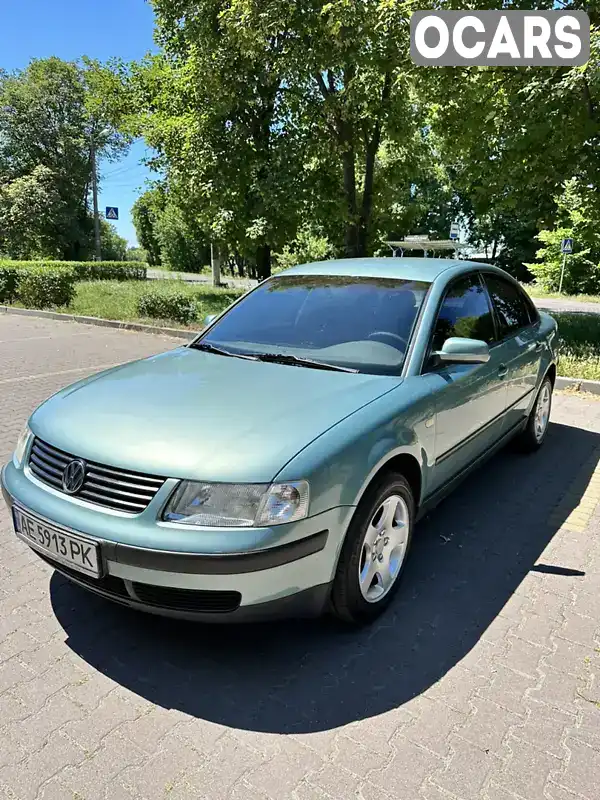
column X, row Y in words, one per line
column 361, row 323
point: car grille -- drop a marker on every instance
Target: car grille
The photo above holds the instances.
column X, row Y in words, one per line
column 105, row 486
column 201, row 600
column 107, row 583
column 191, row 600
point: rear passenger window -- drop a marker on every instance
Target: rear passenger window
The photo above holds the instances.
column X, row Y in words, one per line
column 512, row 310
column 465, row 312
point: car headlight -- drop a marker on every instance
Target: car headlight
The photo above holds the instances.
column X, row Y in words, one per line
column 21, row 446
column 243, row 505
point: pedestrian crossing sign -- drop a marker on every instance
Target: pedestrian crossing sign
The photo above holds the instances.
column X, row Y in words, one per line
column 112, row 212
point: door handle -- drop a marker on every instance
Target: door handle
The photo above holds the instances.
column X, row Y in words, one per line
column 502, row 371
column 537, row 346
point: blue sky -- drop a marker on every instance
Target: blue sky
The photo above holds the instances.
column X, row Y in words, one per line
column 70, row 29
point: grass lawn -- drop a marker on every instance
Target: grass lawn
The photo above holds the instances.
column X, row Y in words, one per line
column 117, row 300
column 579, row 336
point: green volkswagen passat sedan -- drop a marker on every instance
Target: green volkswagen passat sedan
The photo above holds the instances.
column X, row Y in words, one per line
column 276, row 464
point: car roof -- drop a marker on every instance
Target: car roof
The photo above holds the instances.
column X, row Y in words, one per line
column 412, row 269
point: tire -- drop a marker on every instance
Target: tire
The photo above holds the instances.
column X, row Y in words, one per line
column 378, row 551
column 534, row 434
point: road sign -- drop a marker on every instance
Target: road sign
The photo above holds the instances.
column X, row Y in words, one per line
column 112, row 212
column 454, row 230
column 566, row 246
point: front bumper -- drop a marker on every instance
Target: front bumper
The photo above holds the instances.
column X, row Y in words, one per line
column 290, row 577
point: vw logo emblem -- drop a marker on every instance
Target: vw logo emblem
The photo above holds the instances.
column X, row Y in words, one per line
column 73, row 476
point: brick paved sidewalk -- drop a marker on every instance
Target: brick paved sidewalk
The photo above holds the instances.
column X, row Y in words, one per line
column 480, row 682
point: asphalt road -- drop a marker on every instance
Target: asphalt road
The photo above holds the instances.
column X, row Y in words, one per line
column 551, row 305
column 482, row 682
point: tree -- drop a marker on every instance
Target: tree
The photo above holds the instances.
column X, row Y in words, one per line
column 136, row 254
column 49, row 114
column 270, row 117
column 31, row 215
column 114, row 247
column 145, row 212
column 577, row 220
column 510, row 137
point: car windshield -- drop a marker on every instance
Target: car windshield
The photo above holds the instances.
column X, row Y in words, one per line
column 359, row 323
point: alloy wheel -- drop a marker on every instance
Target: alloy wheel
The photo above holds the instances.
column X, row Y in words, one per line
column 384, row 548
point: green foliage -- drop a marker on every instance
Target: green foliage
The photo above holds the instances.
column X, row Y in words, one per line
column 85, row 270
column 168, row 305
column 9, row 277
column 110, row 270
column 145, row 212
column 31, row 210
column 136, row 254
column 119, row 300
column 579, row 339
column 37, row 285
column 307, row 247
column 113, row 246
column 49, row 114
column 577, row 219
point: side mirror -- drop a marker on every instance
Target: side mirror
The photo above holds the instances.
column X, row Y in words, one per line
column 209, row 318
column 457, row 350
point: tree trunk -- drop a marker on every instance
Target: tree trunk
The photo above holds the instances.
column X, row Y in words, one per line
column 349, row 173
column 367, row 200
column 263, row 261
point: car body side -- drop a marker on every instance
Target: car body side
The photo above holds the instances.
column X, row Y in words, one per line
column 397, row 431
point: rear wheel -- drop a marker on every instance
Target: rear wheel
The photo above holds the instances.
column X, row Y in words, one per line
column 375, row 551
column 537, row 425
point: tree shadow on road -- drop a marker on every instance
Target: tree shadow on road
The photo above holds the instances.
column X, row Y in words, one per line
column 470, row 556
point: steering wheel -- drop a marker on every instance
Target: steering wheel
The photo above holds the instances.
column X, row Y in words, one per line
column 390, row 335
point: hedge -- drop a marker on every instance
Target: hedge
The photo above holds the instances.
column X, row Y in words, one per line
column 36, row 285
column 175, row 305
column 89, row 270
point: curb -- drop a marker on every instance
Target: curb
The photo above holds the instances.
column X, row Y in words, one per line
column 178, row 333
column 578, row 385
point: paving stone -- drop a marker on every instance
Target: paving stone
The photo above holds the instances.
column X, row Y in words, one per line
column 97, row 770
column 526, row 771
column 222, row 769
column 407, row 769
column 523, row 656
column 488, row 725
column 467, row 770
column 581, row 774
column 508, row 689
column 544, row 727
column 433, row 726
column 25, row 778
column 280, row 774
column 486, row 652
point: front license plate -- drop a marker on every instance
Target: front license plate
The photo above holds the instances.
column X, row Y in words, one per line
column 74, row 551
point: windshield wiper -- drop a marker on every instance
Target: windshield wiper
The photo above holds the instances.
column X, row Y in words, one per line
column 207, row 347
column 286, row 358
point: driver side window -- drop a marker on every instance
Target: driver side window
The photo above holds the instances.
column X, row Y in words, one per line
column 465, row 312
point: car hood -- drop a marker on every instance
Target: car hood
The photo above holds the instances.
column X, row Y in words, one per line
column 190, row 414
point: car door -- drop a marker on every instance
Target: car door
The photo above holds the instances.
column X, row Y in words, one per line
column 517, row 323
column 470, row 399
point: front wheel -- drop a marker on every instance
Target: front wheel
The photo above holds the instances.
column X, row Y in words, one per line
column 374, row 552
column 537, row 425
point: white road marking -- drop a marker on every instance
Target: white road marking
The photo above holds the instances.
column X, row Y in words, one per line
column 94, row 368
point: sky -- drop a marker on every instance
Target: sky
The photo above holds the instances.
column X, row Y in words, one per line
column 99, row 29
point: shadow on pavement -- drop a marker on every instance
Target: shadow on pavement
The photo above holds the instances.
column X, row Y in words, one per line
column 469, row 557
